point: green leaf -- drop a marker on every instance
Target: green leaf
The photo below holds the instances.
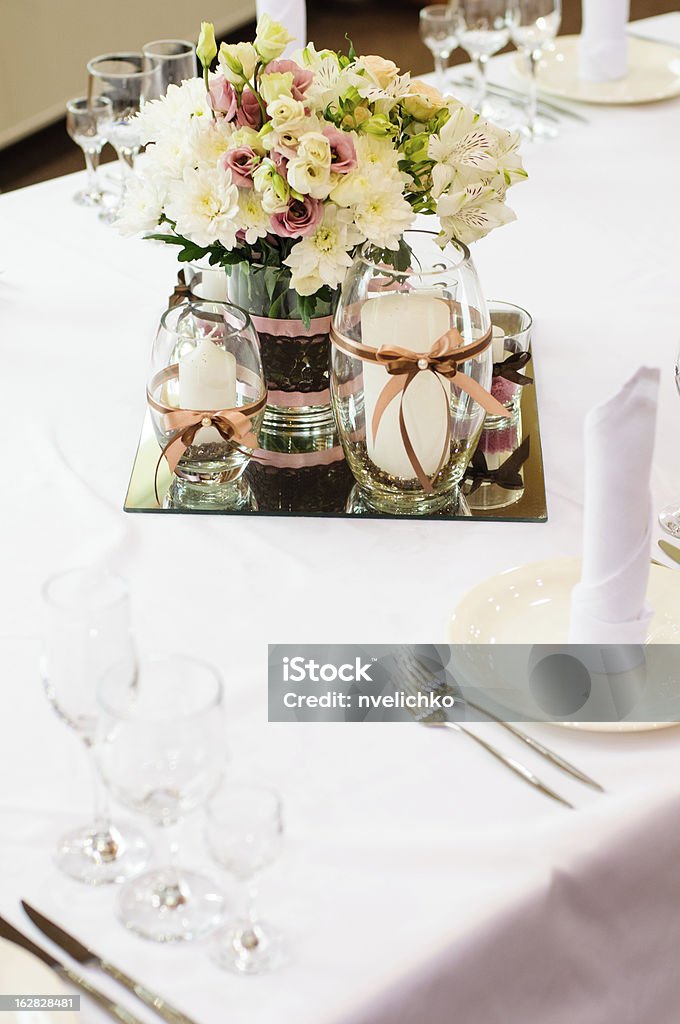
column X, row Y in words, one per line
column 351, row 52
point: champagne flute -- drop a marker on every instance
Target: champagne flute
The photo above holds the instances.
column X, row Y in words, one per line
column 244, row 831
column 87, row 626
column 670, row 516
column 484, row 30
column 439, row 32
column 129, row 80
column 533, row 26
column 162, row 753
column 176, row 58
column 85, row 123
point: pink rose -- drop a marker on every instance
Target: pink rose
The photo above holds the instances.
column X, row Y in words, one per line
column 301, row 79
column 343, row 151
column 280, row 162
column 242, row 162
column 249, row 113
column 222, row 96
column 300, row 218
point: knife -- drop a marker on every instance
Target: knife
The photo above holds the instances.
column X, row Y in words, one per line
column 670, row 549
column 8, row 931
column 83, row 955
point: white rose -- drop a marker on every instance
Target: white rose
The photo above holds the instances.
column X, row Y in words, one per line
column 315, row 148
column 285, row 111
column 309, row 179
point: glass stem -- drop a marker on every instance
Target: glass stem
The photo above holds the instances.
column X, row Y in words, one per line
column 100, row 796
column 171, row 895
column 126, row 160
column 91, row 164
column 481, row 62
column 532, row 106
column 441, row 62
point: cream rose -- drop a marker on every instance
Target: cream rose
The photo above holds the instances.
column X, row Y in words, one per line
column 271, row 39
column 383, row 71
column 315, row 148
column 238, row 62
column 423, row 100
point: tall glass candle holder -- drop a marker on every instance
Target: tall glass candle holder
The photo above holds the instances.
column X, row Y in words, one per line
column 411, row 372
column 207, row 396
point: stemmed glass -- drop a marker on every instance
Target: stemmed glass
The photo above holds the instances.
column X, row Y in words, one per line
column 129, row 80
column 86, row 627
column 177, row 60
column 439, row 32
column 244, row 832
column 670, row 516
column 162, row 753
column 533, row 26
column 85, row 123
column 483, row 31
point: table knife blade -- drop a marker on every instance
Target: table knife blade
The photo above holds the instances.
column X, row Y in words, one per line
column 672, row 550
column 80, row 952
column 12, row 934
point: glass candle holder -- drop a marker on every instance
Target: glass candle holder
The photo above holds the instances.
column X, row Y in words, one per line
column 411, row 363
column 511, row 340
column 207, row 396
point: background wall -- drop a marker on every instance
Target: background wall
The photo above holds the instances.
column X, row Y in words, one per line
column 45, row 45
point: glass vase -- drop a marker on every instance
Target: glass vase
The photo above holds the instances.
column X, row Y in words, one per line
column 207, row 396
column 295, row 357
column 411, row 347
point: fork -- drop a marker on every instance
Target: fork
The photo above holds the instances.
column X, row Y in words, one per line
column 506, row 92
column 415, row 680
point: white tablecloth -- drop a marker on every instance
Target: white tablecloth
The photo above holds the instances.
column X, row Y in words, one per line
column 422, row 882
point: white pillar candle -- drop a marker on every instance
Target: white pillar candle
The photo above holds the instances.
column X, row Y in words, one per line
column 413, row 322
column 498, row 344
column 213, row 285
column 207, row 382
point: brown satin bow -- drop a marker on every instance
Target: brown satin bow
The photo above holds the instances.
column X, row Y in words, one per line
column 233, row 425
column 509, row 368
column 507, row 475
column 403, row 365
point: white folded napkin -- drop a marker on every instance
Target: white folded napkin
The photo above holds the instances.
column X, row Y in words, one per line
column 292, row 14
column 608, row 605
column 662, row 28
column 603, row 50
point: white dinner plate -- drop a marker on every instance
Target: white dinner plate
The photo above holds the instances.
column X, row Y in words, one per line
column 21, row 973
column 653, row 74
column 530, row 605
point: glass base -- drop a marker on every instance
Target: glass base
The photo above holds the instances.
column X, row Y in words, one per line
column 99, row 858
column 669, row 519
column 206, row 496
column 109, row 214
column 88, row 198
column 170, row 906
column 301, row 420
column 247, row 948
column 540, row 129
column 361, row 502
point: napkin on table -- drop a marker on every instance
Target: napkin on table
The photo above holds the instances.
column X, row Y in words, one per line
column 292, row 14
column 603, row 50
column 608, row 605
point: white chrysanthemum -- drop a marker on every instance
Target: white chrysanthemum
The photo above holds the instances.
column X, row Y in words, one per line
column 383, row 216
column 165, row 160
column 173, row 113
column 253, row 220
column 323, row 258
column 472, row 213
column 374, row 193
column 142, row 206
column 205, row 207
column 209, row 140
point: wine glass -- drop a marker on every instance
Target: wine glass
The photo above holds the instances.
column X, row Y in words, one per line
column 85, row 123
column 129, row 80
column 162, row 752
column 670, row 516
column 439, row 32
column 533, row 26
column 483, row 31
column 244, row 831
column 177, row 60
column 86, row 626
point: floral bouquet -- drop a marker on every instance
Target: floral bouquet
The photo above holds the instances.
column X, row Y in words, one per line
column 278, row 170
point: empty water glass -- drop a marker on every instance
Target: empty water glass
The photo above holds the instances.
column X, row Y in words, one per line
column 176, row 58
column 86, row 122
column 533, row 26
column 439, row 32
column 484, row 30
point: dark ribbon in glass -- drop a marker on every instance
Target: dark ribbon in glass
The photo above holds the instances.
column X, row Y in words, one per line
column 507, row 475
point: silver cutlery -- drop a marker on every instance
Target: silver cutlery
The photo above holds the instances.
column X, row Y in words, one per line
column 414, row 680
column 8, row 931
column 672, row 550
column 83, row 955
column 547, row 105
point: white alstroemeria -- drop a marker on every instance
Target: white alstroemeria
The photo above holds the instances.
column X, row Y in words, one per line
column 472, row 213
column 466, row 146
column 142, row 206
column 508, row 156
column 254, row 220
column 204, row 206
column 309, row 178
column 323, row 258
column 173, row 113
column 330, row 82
